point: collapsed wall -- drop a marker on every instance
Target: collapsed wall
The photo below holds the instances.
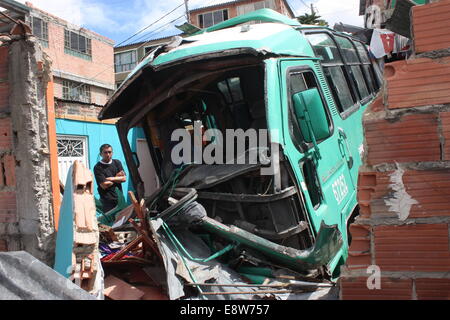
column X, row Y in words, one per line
column 404, row 186
column 26, row 212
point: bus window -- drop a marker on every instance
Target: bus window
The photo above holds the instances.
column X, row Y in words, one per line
column 333, row 67
column 299, row 82
column 354, row 65
column 231, row 89
column 367, row 67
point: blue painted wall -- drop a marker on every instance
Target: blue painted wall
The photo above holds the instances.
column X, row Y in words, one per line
column 98, row 134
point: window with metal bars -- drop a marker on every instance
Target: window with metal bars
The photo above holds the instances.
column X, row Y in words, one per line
column 70, row 147
column 76, row 43
column 76, row 91
column 125, row 61
column 209, row 19
column 40, row 28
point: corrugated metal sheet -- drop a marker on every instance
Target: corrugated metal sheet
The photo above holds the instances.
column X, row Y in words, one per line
column 431, row 26
column 400, row 21
column 23, row 277
column 418, row 82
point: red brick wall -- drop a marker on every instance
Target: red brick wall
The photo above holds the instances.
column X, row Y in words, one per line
column 404, row 187
column 430, row 26
column 68, row 110
column 99, row 95
column 3, row 246
column 418, row 82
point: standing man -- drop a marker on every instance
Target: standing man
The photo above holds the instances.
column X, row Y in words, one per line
column 109, row 175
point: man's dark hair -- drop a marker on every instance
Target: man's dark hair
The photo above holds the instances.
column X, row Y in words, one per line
column 105, row 146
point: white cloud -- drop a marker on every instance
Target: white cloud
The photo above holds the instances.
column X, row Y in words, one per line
column 69, row 10
column 335, row 11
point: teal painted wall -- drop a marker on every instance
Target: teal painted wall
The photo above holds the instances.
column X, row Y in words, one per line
column 98, row 134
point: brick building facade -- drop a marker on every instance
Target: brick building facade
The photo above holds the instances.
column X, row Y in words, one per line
column 208, row 16
column 82, row 62
column 128, row 56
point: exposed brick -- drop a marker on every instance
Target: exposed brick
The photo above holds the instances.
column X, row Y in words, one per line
column 2, row 175
column 377, row 105
column 4, row 96
column 445, row 123
column 431, row 27
column 5, row 134
column 3, row 246
column 4, row 62
column 423, row 247
column 430, row 188
column 8, row 207
column 9, row 165
column 433, row 289
column 391, row 289
column 358, row 261
column 359, row 251
column 418, row 82
column 360, row 238
column 367, row 179
column 72, row 109
column 412, row 138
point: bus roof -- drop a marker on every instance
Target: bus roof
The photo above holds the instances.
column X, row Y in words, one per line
column 274, row 38
column 277, row 35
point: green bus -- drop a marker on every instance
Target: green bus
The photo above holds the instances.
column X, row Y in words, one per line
column 307, row 86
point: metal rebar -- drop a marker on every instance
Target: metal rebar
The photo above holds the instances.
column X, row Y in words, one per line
column 254, row 292
column 283, row 285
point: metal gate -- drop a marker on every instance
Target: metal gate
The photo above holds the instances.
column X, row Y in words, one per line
column 70, row 149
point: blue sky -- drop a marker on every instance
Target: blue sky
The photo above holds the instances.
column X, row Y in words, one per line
column 119, row 19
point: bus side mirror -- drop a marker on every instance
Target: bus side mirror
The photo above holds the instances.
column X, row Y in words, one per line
column 311, row 115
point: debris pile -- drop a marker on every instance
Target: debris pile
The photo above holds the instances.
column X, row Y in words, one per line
column 162, row 250
column 166, row 247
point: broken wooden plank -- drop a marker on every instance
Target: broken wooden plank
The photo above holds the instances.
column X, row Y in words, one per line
column 127, row 248
column 145, row 237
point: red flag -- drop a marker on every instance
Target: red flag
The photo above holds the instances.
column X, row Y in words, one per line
column 388, row 41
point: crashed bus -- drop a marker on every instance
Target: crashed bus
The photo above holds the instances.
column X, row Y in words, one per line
column 307, row 87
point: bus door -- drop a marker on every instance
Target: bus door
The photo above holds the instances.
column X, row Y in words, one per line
column 313, row 144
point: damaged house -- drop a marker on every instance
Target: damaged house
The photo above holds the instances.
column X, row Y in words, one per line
column 277, row 204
